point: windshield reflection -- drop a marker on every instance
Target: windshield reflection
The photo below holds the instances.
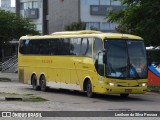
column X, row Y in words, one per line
column 125, row 59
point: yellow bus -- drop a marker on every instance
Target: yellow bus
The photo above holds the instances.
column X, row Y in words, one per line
column 89, row 61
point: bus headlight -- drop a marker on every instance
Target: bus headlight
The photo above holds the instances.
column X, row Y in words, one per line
column 111, row 84
column 143, row 84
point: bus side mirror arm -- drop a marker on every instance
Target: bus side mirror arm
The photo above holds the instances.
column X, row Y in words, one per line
column 104, row 56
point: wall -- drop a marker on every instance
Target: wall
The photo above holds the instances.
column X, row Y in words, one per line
column 28, row 4
column 97, row 21
column 61, row 13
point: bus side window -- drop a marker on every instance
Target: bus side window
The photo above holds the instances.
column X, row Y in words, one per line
column 86, row 47
column 43, row 47
column 65, row 46
column 75, row 46
column 22, row 47
column 99, row 64
column 98, row 46
column 98, row 56
column 33, row 47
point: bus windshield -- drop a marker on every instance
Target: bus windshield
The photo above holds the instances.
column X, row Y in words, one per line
column 125, row 59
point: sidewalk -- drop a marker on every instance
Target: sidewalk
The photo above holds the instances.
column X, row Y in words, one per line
column 11, row 76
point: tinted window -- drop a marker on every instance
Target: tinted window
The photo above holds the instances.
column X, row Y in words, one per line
column 98, row 57
column 22, row 47
column 98, row 46
column 33, row 47
column 75, row 46
column 66, row 46
column 43, row 47
column 86, row 47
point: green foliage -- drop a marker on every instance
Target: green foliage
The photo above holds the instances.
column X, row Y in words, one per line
column 140, row 17
column 75, row 26
column 13, row 27
column 153, row 88
column 154, row 56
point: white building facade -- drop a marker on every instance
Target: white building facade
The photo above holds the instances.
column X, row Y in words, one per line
column 6, row 5
column 53, row 15
column 33, row 9
column 93, row 13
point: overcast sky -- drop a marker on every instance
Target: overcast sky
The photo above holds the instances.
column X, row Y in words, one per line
column 12, row 3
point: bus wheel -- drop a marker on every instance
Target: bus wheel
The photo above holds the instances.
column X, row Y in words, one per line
column 34, row 83
column 124, row 95
column 89, row 89
column 43, row 84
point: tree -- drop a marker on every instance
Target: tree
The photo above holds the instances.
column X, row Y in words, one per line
column 140, row 17
column 76, row 26
column 13, row 27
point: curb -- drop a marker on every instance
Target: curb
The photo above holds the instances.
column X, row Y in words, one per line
column 11, row 99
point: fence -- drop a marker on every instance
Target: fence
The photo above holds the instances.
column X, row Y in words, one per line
column 9, row 64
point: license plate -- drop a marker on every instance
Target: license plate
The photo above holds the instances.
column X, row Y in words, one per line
column 128, row 90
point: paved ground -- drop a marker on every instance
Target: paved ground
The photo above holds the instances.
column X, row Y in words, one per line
column 64, row 100
column 12, row 76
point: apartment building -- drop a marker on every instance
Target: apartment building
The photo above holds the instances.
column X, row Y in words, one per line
column 93, row 13
column 53, row 15
column 36, row 10
column 6, row 5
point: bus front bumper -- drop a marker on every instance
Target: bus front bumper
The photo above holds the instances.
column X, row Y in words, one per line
column 126, row 90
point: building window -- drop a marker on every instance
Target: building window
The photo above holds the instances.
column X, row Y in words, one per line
column 105, row 2
column 39, row 27
column 83, row 2
column 115, row 2
column 21, row 6
column 93, row 2
column 93, row 25
column 107, row 26
column 113, row 26
column 104, row 26
column 100, row 2
column 95, row 8
column 31, row 5
column 90, row 2
column 35, row 4
column 26, row 5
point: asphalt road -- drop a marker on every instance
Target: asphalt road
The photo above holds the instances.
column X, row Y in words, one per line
column 65, row 100
column 70, row 100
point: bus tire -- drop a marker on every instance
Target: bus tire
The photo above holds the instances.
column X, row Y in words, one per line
column 34, row 83
column 124, row 95
column 43, row 84
column 90, row 94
